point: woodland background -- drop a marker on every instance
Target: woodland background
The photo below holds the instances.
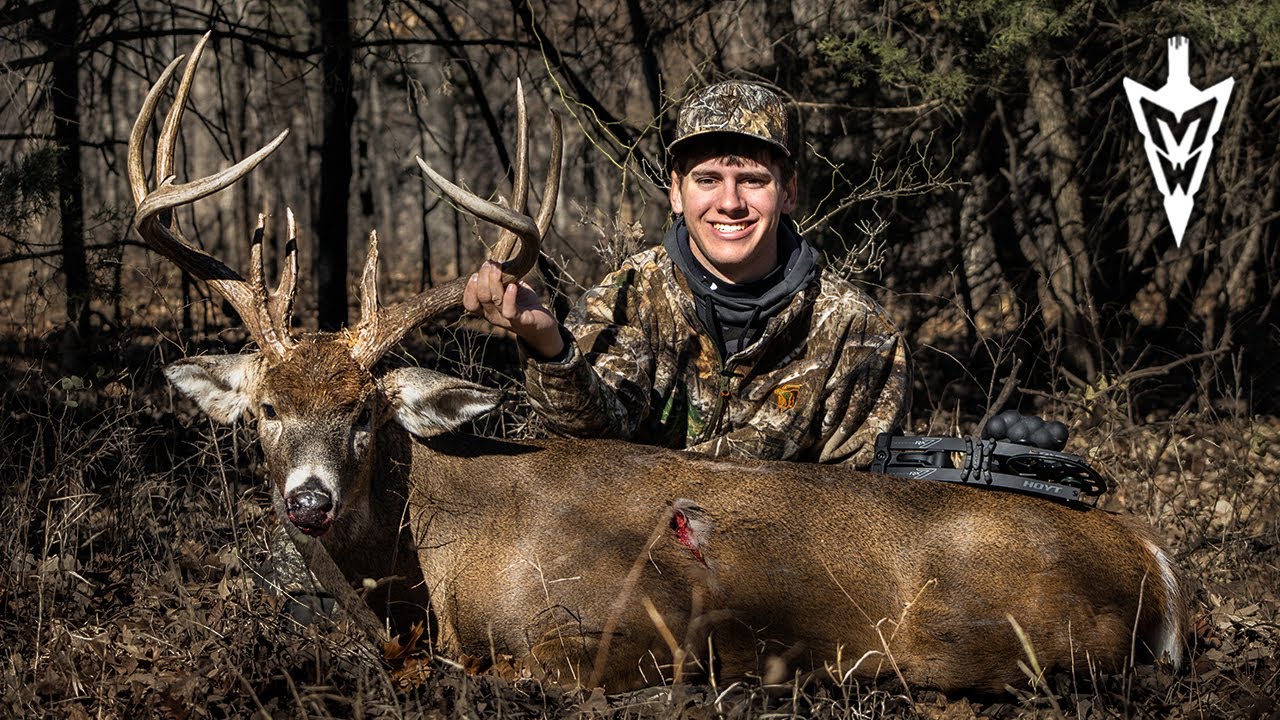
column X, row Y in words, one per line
column 973, row 163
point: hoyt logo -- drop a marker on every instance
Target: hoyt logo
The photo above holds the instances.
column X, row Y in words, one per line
column 1178, row 122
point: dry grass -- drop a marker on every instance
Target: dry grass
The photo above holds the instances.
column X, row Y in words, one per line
column 132, row 535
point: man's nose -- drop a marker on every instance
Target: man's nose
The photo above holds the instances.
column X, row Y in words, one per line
column 730, row 198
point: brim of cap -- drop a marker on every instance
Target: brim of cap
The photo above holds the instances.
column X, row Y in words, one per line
column 671, row 149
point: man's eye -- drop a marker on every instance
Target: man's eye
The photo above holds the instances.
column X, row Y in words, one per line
column 268, row 411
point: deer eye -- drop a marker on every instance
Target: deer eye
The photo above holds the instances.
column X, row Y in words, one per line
column 365, row 416
column 268, row 411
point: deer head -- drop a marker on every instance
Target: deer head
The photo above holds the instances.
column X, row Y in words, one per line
column 317, row 399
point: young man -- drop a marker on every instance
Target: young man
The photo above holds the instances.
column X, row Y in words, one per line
column 728, row 338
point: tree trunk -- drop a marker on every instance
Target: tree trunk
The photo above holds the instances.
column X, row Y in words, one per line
column 641, row 35
column 66, row 131
column 1065, row 295
column 335, row 165
column 788, row 67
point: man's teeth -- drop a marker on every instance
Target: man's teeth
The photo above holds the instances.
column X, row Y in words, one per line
column 721, row 227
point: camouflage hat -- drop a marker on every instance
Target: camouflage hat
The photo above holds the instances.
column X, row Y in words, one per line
column 736, row 107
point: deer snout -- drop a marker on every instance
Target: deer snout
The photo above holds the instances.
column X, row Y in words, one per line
column 310, row 510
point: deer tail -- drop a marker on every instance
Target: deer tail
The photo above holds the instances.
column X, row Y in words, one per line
column 1166, row 638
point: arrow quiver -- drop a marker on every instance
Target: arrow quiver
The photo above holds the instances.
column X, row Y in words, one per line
column 989, row 463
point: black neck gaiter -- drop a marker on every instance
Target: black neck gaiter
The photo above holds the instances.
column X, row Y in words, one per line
column 735, row 315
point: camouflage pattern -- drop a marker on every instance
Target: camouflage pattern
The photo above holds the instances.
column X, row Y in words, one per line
column 829, row 373
column 735, row 107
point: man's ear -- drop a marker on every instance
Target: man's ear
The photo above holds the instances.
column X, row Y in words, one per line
column 221, row 385
column 673, row 192
column 428, row 403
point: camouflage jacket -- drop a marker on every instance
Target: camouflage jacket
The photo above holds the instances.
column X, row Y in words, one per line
column 828, row 374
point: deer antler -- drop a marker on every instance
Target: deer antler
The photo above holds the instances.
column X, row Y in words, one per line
column 380, row 330
column 265, row 315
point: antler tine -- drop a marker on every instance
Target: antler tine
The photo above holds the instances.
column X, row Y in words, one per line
column 257, row 273
column 163, row 236
column 173, row 119
column 520, row 183
column 527, row 254
column 274, row 322
column 280, row 305
column 515, row 223
column 366, row 333
column 551, row 191
column 380, row 330
column 137, row 176
column 522, row 225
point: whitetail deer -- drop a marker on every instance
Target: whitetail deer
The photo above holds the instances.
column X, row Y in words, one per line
column 613, row 564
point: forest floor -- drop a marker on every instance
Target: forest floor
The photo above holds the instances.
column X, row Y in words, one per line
column 133, row 533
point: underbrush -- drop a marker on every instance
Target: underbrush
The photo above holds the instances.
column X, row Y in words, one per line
column 134, row 534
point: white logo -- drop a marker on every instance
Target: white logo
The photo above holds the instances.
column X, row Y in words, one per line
column 1186, row 120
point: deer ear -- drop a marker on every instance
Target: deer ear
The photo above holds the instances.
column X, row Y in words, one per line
column 429, row 403
column 220, row 384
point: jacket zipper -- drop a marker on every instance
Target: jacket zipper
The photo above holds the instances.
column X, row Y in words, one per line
column 712, row 428
column 726, row 379
column 717, row 413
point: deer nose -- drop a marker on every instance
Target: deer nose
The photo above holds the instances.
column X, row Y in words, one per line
column 311, row 511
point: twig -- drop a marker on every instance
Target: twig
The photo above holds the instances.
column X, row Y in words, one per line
column 677, row 652
column 628, row 585
column 332, row 580
column 252, row 694
column 1132, row 375
column 905, row 110
column 1010, row 383
column 1033, row 671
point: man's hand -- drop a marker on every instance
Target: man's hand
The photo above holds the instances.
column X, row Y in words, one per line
column 515, row 307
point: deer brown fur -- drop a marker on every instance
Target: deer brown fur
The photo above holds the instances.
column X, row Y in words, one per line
column 613, row 564
column 790, row 561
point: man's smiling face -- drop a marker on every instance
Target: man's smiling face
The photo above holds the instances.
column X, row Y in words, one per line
column 732, row 205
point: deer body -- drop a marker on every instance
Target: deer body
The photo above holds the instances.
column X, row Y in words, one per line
column 607, row 563
column 548, row 551
column 529, row 546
